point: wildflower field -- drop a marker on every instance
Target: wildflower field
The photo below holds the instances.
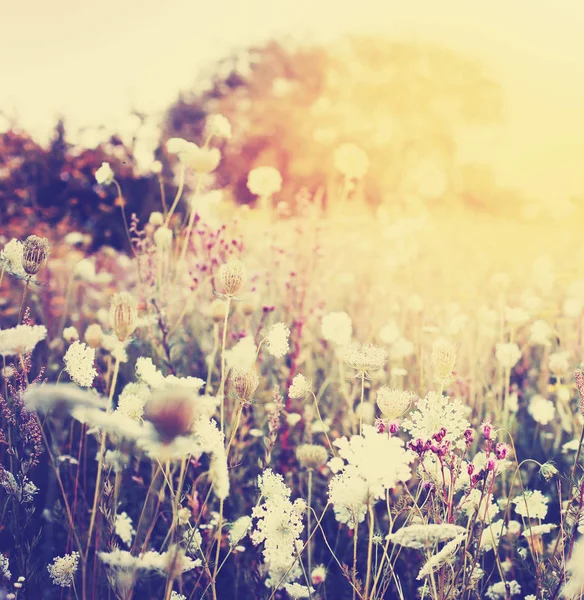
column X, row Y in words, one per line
column 303, row 396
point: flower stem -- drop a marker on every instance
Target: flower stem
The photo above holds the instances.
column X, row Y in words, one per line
column 223, row 374
column 23, row 300
column 100, row 460
column 369, row 549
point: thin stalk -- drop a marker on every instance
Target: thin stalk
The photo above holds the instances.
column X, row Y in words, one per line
column 179, row 192
column 309, row 523
column 354, row 573
column 369, row 549
column 223, row 344
column 361, row 403
column 100, row 460
column 191, row 220
column 23, row 300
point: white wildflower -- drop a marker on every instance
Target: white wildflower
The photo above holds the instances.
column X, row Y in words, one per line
column 441, row 557
column 21, row 339
column 337, row 327
column 104, row 175
column 277, row 340
column 11, row 257
column 239, row 530
column 295, row 590
column 559, row 363
column 508, row 355
column 532, row 504
column 63, row 569
column 543, row 411
column 435, row 412
column 425, row 535
column 499, row 592
column 124, row 529
column 79, row 360
column 264, row 181
column 364, row 358
column 300, row 387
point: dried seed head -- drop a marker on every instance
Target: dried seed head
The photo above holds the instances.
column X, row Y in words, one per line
column 233, row 276
column 393, row 403
column 311, row 456
column 123, row 315
column 579, row 377
column 35, row 254
column 172, row 413
column 443, row 359
column 244, row 383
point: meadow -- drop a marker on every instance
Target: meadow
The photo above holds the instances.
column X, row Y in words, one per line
column 292, row 400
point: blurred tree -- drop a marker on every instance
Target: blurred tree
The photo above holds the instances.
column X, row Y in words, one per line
column 290, row 106
column 57, row 183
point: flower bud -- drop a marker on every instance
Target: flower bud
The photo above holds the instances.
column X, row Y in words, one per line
column 123, row 315
column 35, row 254
column 393, row 403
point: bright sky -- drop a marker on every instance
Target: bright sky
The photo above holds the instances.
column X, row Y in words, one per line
column 89, row 61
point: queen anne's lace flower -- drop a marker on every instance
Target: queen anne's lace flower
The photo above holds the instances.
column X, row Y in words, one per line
column 441, row 557
column 5, row 568
column 499, row 592
column 364, row 358
column 21, row 339
column 367, row 474
column 79, row 360
column 424, row 536
column 278, row 525
column 277, row 340
column 532, row 504
column 124, row 529
column 300, row 387
column 435, row 412
column 11, row 258
column 63, row 569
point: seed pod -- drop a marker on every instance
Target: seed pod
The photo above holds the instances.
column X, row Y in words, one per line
column 123, row 315
column 244, row 383
column 233, row 276
column 35, row 254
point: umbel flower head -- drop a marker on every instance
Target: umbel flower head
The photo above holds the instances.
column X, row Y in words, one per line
column 35, row 254
column 123, row 315
column 300, row 387
column 104, row 175
column 393, row 403
column 311, row 456
column 21, row 339
column 79, row 360
column 232, row 276
column 63, row 569
column 365, row 358
column 277, row 340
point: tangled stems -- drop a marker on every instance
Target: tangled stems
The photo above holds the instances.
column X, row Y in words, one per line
column 322, row 423
column 100, row 455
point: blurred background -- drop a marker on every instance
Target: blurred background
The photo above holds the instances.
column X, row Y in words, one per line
column 453, row 102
